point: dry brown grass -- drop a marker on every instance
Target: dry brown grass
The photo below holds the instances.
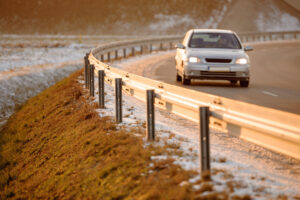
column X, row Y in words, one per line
column 56, row 146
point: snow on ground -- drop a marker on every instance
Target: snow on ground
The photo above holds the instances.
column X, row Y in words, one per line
column 19, row 85
column 276, row 20
column 215, row 19
column 165, row 22
column 19, row 51
column 258, row 172
column 31, row 63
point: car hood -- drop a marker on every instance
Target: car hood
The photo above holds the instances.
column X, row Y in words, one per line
column 216, row 53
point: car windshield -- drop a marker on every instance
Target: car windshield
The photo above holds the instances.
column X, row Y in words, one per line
column 214, row 40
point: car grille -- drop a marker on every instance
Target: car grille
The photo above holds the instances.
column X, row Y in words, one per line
column 218, row 60
column 218, row 74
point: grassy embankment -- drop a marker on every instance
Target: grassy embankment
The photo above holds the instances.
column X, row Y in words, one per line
column 57, row 147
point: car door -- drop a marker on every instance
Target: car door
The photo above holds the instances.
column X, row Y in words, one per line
column 180, row 53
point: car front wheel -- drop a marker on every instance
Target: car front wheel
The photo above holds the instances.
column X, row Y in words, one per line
column 244, row 83
column 185, row 81
column 178, row 78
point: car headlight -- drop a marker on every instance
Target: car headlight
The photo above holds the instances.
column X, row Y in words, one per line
column 194, row 59
column 241, row 61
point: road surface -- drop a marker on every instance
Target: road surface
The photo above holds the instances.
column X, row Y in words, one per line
column 274, row 82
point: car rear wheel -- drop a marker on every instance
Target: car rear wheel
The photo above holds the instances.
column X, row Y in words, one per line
column 244, row 83
column 185, row 81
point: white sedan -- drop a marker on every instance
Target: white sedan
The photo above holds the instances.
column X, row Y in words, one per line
column 212, row 54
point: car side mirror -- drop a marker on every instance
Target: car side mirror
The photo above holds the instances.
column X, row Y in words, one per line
column 248, row 48
column 180, row 46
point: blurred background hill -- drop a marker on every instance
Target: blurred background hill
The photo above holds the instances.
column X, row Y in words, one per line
column 141, row 17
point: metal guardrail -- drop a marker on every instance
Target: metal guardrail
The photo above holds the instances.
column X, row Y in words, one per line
column 276, row 130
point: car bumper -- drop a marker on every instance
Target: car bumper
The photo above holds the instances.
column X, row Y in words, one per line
column 217, row 72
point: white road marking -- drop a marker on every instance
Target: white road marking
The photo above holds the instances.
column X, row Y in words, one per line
column 270, row 93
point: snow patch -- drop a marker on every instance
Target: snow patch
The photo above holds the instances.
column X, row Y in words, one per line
column 255, row 170
column 275, row 20
column 165, row 22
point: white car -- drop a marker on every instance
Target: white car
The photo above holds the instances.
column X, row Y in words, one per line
column 212, row 54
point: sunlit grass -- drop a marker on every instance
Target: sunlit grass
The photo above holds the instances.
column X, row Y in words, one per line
column 56, row 146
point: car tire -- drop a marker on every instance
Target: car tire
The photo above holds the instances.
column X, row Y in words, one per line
column 178, row 78
column 244, row 83
column 185, row 81
column 233, row 81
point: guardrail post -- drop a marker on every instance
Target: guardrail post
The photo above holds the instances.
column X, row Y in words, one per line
column 204, row 139
column 92, row 79
column 101, row 58
column 171, row 45
column 118, row 91
column 142, row 49
column 86, row 70
column 88, row 74
column 116, row 54
column 150, row 116
column 108, row 57
column 132, row 51
column 101, row 88
column 124, row 53
column 150, row 48
column 161, row 46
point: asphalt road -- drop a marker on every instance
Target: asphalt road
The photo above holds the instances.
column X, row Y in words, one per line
column 274, row 76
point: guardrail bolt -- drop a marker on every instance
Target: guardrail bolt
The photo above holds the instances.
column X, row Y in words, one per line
column 101, row 88
column 150, row 116
column 118, row 90
column 92, row 80
column 204, row 139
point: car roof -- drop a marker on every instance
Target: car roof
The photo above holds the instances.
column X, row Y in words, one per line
column 211, row 31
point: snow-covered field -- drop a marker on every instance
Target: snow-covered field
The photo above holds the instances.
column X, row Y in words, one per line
column 257, row 171
column 31, row 63
column 276, row 20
